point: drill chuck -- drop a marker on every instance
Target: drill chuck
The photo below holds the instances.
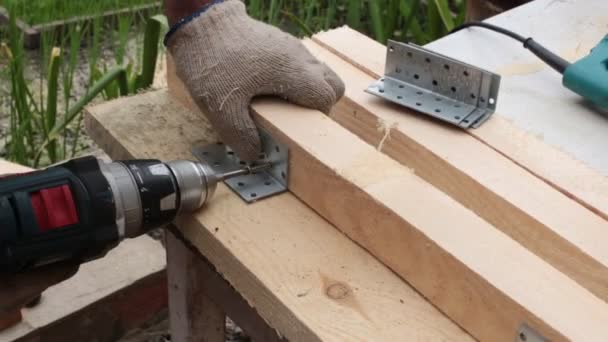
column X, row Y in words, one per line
column 82, row 208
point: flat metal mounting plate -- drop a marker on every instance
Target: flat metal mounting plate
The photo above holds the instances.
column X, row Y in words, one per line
column 253, row 187
column 436, row 85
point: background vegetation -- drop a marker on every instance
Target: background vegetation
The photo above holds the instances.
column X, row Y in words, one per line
column 35, row 12
column 420, row 21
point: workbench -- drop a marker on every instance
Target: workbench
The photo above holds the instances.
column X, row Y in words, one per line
column 526, row 193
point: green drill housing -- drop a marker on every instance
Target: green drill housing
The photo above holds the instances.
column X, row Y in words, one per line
column 589, row 76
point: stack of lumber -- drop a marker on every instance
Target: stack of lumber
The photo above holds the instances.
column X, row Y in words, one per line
column 487, row 230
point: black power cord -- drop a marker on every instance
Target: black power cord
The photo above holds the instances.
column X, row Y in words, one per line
column 553, row 60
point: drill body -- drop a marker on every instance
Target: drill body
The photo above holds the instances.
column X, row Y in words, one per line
column 588, row 77
column 80, row 209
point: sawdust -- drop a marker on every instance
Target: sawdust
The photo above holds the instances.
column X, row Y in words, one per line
column 386, row 128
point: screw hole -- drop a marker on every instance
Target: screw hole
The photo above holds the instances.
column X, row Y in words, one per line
column 283, row 175
column 428, row 60
column 392, row 49
column 438, row 110
column 409, row 54
column 400, row 97
column 435, row 83
column 242, row 163
column 446, row 67
column 453, row 89
column 382, row 80
column 473, row 96
column 216, row 164
column 418, row 104
column 416, row 76
column 254, row 195
column 482, row 100
column 457, row 117
column 419, row 92
column 241, row 184
column 219, row 143
column 268, row 183
column 466, row 73
column 276, row 148
column 457, row 105
column 381, row 90
column 398, row 70
column 231, row 153
column 438, row 99
column 523, row 337
column 401, row 86
column 466, row 121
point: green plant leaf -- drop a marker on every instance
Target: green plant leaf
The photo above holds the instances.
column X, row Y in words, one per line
column 307, row 31
column 443, row 9
column 353, row 14
column 376, row 18
column 51, row 106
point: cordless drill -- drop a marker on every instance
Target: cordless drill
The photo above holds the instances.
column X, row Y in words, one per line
column 81, row 209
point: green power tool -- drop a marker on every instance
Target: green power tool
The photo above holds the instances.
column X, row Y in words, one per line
column 587, row 77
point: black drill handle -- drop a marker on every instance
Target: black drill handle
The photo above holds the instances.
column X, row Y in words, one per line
column 61, row 213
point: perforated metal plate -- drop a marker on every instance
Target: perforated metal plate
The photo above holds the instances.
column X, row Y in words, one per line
column 436, row 85
column 253, row 187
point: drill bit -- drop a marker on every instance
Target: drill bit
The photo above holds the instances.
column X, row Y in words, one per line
column 246, row 170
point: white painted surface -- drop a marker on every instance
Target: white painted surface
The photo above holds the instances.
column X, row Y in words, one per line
column 532, row 95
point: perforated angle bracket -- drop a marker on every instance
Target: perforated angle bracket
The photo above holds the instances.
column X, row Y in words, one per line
column 436, row 85
column 253, row 187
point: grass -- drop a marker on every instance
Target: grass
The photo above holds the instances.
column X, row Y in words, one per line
column 39, row 132
column 420, row 21
column 36, row 12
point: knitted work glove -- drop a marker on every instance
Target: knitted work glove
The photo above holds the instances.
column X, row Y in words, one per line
column 225, row 58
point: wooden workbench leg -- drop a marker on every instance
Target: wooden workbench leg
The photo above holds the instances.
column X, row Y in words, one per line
column 193, row 315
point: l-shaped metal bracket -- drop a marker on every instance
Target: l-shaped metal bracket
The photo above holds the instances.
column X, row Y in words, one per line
column 436, row 85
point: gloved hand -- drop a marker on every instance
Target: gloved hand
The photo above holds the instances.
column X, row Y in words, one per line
column 225, row 58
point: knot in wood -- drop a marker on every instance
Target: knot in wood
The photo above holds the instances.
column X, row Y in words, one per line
column 337, row 291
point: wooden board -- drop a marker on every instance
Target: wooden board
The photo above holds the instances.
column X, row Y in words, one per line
column 539, row 124
column 304, row 277
column 385, row 208
column 533, row 213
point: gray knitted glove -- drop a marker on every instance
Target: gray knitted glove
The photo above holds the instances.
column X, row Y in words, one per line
column 225, row 58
